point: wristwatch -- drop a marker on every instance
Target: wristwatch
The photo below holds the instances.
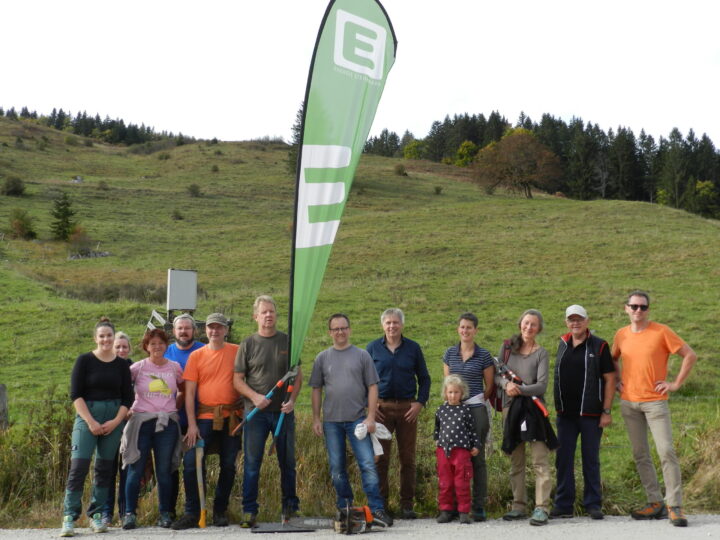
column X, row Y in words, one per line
column 607, row 411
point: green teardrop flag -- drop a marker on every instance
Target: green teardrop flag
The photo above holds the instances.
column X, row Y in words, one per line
column 354, row 52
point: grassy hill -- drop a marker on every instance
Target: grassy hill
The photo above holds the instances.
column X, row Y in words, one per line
column 401, row 243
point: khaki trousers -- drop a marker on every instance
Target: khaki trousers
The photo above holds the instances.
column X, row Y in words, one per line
column 655, row 415
column 540, row 454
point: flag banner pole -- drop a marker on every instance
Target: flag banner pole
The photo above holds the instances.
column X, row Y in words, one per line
column 354, row 52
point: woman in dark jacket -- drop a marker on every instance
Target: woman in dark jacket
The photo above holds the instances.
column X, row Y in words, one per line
column 529, row 361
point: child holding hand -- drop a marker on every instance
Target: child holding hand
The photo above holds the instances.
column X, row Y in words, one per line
column 456, row 441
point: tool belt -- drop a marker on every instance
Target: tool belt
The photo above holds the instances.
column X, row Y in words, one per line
column 235, row 410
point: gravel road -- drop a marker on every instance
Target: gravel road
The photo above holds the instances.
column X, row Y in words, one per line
column 611, row 528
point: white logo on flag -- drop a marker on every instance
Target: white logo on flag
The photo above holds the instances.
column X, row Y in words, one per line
column 318, row 156
column 365, row 44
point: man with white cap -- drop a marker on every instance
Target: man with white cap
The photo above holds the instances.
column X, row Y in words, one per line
column 584, row 389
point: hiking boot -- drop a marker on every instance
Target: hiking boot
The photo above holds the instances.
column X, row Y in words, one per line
column 444, row 517
column 514, row 515
column 465, row 518
column 107, row 519
column 97, row 525
column 129, row 521
column 677, row 517
column 68, row 526
column 595, row 513
column 220, row 519
column 653, row 510
column 559, row 513
column 408, row 513
column 382, row 518
column 539, row 517
column 165, row 520
column 186, row 521
column 479, row 514
column 248, row 520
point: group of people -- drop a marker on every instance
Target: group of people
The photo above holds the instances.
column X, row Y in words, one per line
column 189, row 399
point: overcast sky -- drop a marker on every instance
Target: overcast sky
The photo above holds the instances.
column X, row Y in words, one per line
column 237, row 69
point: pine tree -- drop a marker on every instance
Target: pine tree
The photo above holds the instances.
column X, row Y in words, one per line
column 60, row 120
column 62, row 213
column 407, row 138
column 435, row 142
column 673, row 175
column 295, row 142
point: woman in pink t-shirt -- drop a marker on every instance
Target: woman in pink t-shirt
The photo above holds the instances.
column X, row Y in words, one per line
column 153, row 425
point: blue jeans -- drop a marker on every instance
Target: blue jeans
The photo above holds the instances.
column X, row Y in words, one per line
column 568, row 430
column 121, row 474
column 335, row 434
column 256, row 433
column 162, row 443
column 229, row 447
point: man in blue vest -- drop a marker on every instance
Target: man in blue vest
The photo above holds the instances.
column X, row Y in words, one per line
column 584, row 389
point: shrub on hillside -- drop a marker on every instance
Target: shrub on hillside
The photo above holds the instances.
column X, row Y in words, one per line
column 194, row 190
column 163, row 156
column 71, row 140
column 215, row 168
column 13, row 186
column 399, row 169
column 21, row 225
column 80, row 242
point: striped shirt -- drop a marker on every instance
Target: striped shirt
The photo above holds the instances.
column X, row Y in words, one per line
column 471, row 370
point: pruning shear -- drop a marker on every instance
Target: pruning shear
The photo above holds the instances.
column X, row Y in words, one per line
column 285, row 378
column 511, row 376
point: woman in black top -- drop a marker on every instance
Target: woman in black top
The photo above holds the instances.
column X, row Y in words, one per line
column 102, row 395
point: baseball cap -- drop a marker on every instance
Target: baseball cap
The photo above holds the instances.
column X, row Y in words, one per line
column 216, row 318
column 576, row 309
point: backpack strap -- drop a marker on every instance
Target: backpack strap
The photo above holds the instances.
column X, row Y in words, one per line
column 506, row 352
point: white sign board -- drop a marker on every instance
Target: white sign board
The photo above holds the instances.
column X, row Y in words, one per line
column 181, row 289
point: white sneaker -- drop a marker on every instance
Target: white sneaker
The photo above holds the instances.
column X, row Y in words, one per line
column 68, row 527
column 97, row 525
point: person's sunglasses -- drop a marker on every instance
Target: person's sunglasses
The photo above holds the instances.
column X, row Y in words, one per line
column 641, row 307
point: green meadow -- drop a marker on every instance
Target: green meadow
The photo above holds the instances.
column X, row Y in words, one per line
column 431, row 243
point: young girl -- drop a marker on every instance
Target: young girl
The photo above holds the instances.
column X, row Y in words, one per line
column 456, row 441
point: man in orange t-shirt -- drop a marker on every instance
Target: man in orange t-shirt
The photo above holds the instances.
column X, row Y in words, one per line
column 644, row 348
column 209, row 375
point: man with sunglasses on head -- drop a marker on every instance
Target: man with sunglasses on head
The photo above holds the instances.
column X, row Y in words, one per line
column 644, row 348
